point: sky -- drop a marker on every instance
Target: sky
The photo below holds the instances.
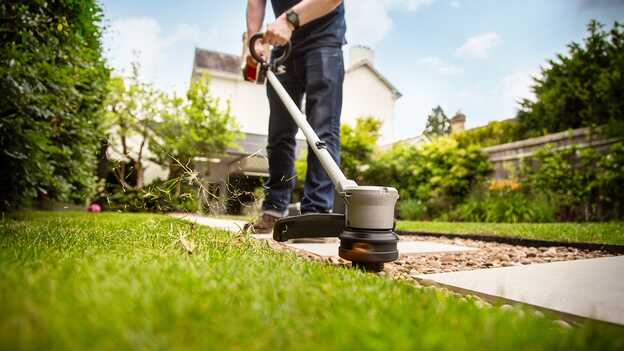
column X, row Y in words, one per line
column 474, row 56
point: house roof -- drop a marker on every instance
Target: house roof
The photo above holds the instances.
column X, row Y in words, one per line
column 218, row 61
column 371, row 67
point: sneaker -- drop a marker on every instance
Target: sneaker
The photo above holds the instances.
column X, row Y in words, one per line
column 263, row 224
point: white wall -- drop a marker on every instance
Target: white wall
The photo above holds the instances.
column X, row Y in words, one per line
column 366, row 95
column 248, row 101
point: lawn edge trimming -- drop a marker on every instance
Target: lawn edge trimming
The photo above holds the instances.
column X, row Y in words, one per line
column 519, row 241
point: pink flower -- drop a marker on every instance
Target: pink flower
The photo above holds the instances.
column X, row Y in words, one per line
column 95, row 208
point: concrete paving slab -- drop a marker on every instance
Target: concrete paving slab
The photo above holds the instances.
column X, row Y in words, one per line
column 405, row 248
column 230, row 225
column 591, row 288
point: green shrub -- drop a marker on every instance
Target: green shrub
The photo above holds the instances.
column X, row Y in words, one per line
column 494, row 133
column 159, row 196
column 506, row 205
column 582, row 88
column 413, row 210
column 586, row 184
column 439, row 174
column 52, row 79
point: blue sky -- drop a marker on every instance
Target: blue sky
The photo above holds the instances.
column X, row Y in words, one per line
column 476, row 56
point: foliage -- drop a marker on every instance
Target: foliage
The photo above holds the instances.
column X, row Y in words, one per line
column 412, row 209
column 53, row 80
column 582, row 89
column 438, row 124
column 159, row 196
column 494, row 133
column 133, row 109
column 192, row 127
column 585, row 184
column 439, row 174
column 357, row 145
column 133, row 284
column 509, row 204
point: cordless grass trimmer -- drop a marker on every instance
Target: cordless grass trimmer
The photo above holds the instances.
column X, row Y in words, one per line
column 366, row 228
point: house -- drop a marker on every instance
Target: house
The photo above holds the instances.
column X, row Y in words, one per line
column 366, row 92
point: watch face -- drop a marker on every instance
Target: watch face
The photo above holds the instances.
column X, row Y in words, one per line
column 293, row 18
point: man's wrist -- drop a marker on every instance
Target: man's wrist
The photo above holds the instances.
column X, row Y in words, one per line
column 285, row 20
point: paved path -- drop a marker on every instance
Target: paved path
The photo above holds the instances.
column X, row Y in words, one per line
column 231, row 225
column 592, row 288
column 328, row 249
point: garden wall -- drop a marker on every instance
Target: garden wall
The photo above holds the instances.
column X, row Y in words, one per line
column 506, row 158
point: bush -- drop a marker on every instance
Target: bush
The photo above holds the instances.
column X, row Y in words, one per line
column 413, row 210
column 159, row 196
column 53, row 80
column 439, row 174
column 494, row 133
column 504, row 205
column 584, row 88
column 585, row 184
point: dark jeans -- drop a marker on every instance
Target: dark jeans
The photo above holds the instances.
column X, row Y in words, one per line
column 319, row 74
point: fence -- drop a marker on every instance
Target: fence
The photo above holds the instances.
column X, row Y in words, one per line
column 506, row 158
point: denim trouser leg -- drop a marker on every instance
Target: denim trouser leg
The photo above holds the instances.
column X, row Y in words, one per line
column 320, row 74
column 324, row 69
column 281, row 145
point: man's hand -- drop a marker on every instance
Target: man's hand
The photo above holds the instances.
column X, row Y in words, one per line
column 259, row 48
column 279, row 32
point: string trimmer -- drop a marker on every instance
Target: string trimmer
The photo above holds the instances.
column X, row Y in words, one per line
column 366, row 228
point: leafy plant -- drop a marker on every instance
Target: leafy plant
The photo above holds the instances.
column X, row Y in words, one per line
column 584, row 183
column 438, row 124
column 507, row 204
column 439, row 174
column 494, row 133
column 53, row 79
column 133, row 110
column 584, row 88
column 192, row 127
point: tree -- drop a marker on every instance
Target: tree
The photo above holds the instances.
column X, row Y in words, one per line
column 133, row 110
column 53, row 80
column 584, row 88
column 193, row 127
column 438, row 124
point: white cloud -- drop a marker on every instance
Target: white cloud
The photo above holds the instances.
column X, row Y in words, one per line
column 165, row 54
column 369, row 21
column 479, row 45
column 515, row 87
column 440, row 66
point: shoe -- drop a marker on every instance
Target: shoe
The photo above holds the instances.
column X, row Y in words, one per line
column 263, row 224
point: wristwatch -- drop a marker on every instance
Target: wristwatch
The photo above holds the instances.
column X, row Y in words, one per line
column 293, row 18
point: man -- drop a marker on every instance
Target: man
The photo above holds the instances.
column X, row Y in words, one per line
column 315, row 68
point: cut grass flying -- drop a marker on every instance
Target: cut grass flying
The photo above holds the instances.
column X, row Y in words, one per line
column 128, row 281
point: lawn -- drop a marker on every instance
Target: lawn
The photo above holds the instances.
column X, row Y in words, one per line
column 601, row 233
column 123, row 281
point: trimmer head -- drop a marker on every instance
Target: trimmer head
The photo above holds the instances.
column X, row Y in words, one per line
column 365, row 230
column 368, row 239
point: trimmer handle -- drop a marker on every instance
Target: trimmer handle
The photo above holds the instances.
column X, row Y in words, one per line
column 278, row 61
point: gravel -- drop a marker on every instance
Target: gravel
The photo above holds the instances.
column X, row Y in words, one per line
column 488, row 255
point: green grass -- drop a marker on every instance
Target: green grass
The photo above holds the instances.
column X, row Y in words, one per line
column 600, row 233
column 121, row 281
